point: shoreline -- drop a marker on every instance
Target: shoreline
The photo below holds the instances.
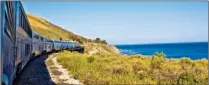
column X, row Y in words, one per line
column 192, row 50
column 163, row 43
column 124, row 55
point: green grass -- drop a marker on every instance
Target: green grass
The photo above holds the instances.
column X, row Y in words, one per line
column 113, row 69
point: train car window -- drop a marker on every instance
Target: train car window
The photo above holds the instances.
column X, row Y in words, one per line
column 42, row 38
column 10, row 11
column 10, row 22
column 27, row 49
column 39, row 48
column 8, row 29
column 24, row 23
column 20, row 18
column 35, row 36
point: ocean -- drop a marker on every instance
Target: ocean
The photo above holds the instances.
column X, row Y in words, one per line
column 193, row 50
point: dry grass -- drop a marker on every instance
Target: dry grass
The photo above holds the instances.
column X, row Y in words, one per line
column 50, row 30
column 112, row 69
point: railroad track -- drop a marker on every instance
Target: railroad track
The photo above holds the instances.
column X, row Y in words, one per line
column 35, row 73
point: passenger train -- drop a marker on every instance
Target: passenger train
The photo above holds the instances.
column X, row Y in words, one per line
column 19, row 43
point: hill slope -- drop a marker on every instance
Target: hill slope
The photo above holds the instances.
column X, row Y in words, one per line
column 50, row 30
column 47, row 29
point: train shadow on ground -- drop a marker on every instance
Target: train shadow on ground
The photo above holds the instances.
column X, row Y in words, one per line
column 35, row 72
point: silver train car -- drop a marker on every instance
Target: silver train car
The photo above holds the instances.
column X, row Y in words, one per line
column 48, row 45
column 19, row 43
column 16, row 41
column 73, row 45
column 56, row 45
column 69, row 45
column 38, row 44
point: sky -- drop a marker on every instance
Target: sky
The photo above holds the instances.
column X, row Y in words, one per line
column 128, row 22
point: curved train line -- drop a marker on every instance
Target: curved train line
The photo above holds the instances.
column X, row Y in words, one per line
column 19, row 43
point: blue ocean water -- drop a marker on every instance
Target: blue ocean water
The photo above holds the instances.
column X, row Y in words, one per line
column 194, row 50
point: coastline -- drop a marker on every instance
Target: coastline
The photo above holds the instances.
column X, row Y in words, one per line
column 146, row 56
column 160, row 43
column 192, row 50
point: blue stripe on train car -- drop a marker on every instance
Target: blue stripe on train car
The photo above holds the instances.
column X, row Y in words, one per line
column 4, row 78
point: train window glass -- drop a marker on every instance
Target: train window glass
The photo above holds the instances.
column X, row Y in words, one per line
column 10, row 11
column 42, row 38
column 17, row 13
column 35, row 36
column 8, row 28
column 19, row 18
column 27, row 49
column 10, row 22
column 24, row 23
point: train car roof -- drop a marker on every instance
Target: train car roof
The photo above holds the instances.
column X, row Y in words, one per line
column 36, row 33
column 56, row 40
column 48, row 38
column 69, row 41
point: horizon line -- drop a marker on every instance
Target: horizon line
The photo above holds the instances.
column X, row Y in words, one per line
column 163, row 43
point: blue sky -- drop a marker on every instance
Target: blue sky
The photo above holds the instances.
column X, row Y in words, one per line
column 128, row 22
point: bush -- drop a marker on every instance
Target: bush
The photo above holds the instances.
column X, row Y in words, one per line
column 90, row 59
column 156, row 62
column 185, row 60
column 98, row 40
column 188, row 78
column 104, row 42
column 186, row 63
column 160, row 54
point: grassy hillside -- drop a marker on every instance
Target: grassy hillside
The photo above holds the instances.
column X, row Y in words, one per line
column 50, row 30
column 47, row 29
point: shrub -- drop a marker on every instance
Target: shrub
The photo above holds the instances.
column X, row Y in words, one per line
column 160, row 54
column 90, row 59
column 186, row 63
column 98, row 40
column 156, row 62
column 104, row 41
column 117, row 69
column 187, row 78
column 185, row 60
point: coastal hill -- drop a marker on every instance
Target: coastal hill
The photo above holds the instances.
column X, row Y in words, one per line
column 50, row 30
